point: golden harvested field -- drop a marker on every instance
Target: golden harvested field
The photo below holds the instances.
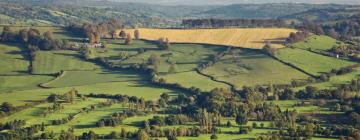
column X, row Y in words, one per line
column 237, row 37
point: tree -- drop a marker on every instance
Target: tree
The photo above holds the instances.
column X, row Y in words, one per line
column 23, row 35
column 163, row 43
column 154, row 61
column 7, row 107
column 228, row 124
column 165, row 96
column 71, row 96
column 268, row 49
column 213, row 137
column 332, row 33
column 142, row 135
column 128, row 39
column 137, row 34
column 122, row 34
column 172, row 68
column 241, row 119
column 123, row 55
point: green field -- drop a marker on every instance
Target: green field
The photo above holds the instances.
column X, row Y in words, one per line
column 78, row 78
column 310, row 62
column 245, row 67
column 10, row 83
column 50, row 62
column 335, row 81
column 114, row 47
column 317, row 43
column 13, row 60
column 58, row 32
column 197, row 80
column 187, row 57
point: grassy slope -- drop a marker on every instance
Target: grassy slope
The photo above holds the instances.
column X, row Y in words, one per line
column 316, row 43
column 193, row 79
column 49, row 62
column 239, row 37
column 131, row 88
column 245, row 67
column 58, row 32
column 114, row 47
column 12, row 61
column 335, row 81
column 74, row 78
column 311, row 62
column 11, row 83
column 187, row 57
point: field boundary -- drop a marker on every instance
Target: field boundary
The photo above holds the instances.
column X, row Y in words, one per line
column 45, row 85
column 233, row 88
column 294, row 67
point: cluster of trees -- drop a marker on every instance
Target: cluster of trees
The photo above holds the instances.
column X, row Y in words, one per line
column 115, row 119
column 94, row 32
column 343, row 30
column 339, row 93
column 12, row 125
column 69, row 97
column 163, row 44
column 54, row 107
column 33, row 39
column 63, row 120
column 310, row 129
column 169, row 120
column 132, row 102
column 7, row 108
column 219, row 23
column 297, row 37
column 22, row 132
column 345, row 50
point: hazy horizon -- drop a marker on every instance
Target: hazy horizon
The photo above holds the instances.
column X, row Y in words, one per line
column 227, row 2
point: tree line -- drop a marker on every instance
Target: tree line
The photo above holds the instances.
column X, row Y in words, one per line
column 220, row 23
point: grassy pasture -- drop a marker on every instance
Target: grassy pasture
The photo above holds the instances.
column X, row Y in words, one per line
column 35, row 115
column 114, row 47
column 238, row 37
column 131, row 88
column 193, row 79
column 22, row 82
column 13, row 61
column 249, row 67
column 335, row 81
column 312, row 63
column 58, row 32
column 317, row 43
column 187, row 57
column 78, row 78
column 49, row 62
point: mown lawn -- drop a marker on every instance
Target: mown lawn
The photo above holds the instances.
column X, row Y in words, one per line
column 312, row 63
column 249, row 68
column 50, row 62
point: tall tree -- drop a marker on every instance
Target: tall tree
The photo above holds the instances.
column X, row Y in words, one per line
column 128, row 39
column 137, row 34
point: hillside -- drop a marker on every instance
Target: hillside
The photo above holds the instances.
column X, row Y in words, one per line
column 238, row 37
